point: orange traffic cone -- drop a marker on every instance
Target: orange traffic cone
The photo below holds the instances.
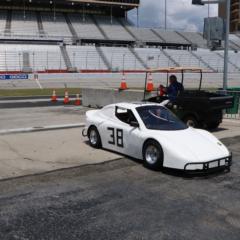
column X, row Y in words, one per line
column 123, row 85
column 78, row 101
column 150, row 83
column 66, row 98
column 54, row 96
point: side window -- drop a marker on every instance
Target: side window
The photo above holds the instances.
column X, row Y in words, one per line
column 125, row 115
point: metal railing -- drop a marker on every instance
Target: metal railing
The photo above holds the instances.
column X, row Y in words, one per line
column 11, row 60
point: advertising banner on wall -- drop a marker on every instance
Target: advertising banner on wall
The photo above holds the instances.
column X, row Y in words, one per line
column 13, row 76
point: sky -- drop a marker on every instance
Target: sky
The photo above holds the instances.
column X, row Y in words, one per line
column 181, row 14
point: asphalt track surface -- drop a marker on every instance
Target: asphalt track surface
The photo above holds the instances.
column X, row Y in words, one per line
column 22, row 102
column 122, row 200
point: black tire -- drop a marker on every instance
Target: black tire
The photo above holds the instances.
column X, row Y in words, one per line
column 191, row 121
column 94, row 137
column 213, row 125
column 154, row 164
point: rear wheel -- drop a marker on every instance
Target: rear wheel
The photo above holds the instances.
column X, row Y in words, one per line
column 152, row 155
column 191, row 121
column 94, row 137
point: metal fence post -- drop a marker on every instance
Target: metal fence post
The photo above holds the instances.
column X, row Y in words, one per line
column 87, row 60
column 6, row 61
column 74, row 54
column 60, row 64
column 47, row 60
column 33, row 61
column 19, row 61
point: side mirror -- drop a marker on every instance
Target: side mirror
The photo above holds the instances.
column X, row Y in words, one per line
column 134, row 124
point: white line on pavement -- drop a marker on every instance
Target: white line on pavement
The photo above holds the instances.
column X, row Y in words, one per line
column 39, row 129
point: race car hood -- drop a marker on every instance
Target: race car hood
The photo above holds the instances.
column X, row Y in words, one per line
column 190, row 145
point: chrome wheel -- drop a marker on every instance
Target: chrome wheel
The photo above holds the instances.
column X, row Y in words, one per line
column 152, row 154
column 93, row 137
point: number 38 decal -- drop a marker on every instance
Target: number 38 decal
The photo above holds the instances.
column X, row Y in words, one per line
column 116, row 137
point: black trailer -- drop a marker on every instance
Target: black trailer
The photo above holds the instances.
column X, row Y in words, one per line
column 197, row 108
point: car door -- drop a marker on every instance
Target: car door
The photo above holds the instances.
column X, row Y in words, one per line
column 119, row 136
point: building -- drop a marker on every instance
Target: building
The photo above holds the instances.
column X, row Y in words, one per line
column 235, row 14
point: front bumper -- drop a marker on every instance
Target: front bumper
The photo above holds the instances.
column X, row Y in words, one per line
column 211, row 166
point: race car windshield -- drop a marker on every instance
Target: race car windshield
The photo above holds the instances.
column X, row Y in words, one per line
column 159, row 118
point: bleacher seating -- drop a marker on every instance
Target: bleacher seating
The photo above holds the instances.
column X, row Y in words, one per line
column 171, row 37
column 234, row 57
column 46, row 57
column 10, row 59
column 24, row 26
column 214, row 60
column 185, row 58
column 95, row 28
column 42, row 57
column 99, row 30
column 195, row 38
column 85, row 57
column 153, row 57
column 235, row 39
column 113, row 29
column 144, row 34
column 3, row 17
column 121, row 58
column 125, row 22
column 49, row 57
column 85, row 27
column 55, row 26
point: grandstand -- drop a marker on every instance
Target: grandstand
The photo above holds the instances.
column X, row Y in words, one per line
column 82, row 35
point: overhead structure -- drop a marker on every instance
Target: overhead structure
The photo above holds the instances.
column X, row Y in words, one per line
column 117, row 7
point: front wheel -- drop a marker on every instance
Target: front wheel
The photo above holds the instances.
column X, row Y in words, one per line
column 94, row 137
column 152, row 155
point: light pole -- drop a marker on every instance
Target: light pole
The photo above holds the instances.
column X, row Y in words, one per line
column 165, row 21
column 226, row 44
column 208, row 38
column 225, row 73
column 137, row 17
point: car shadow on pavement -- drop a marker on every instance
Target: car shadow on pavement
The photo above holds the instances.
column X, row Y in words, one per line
column 170, row 171
column 186, row 175
column 218, row 130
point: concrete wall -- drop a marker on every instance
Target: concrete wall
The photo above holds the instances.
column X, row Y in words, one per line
column 102, row 97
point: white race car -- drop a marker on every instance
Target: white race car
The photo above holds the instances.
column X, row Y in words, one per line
column 150, row 132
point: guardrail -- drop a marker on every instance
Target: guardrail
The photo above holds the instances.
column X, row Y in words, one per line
column 234, row 112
